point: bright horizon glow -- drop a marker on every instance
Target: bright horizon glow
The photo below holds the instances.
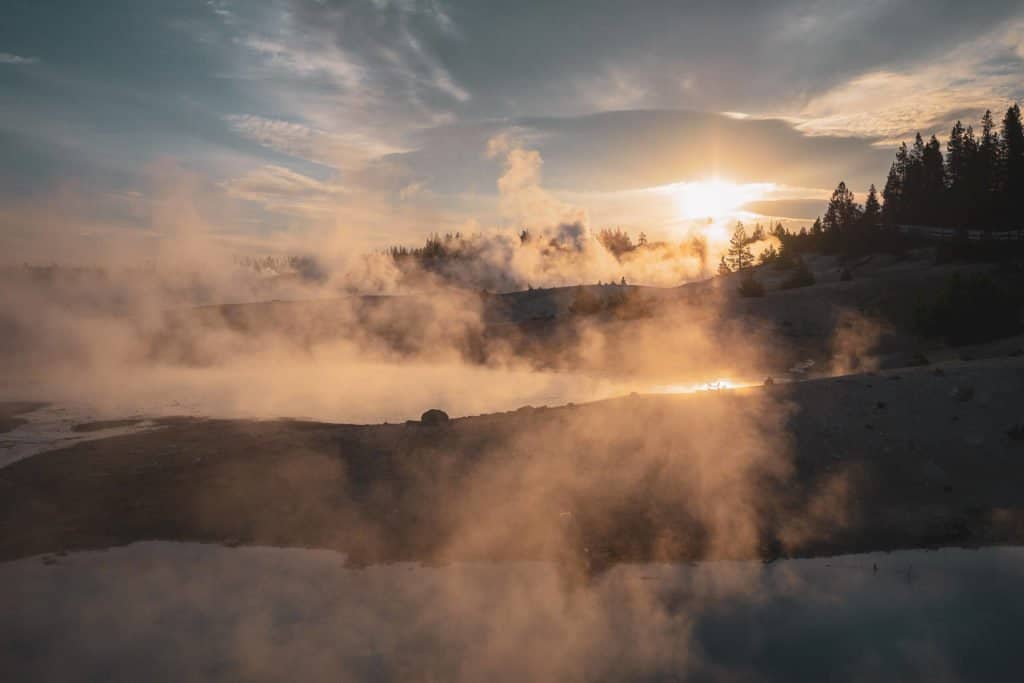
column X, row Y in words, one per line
column 716, row 198
column 714, row 385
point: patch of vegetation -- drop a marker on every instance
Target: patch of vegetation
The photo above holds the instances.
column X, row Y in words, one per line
column 801, row 276
column 970, row 309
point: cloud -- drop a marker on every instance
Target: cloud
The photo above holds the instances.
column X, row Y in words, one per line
column 8, row 58
column 634, row 150
column 338, row 150
column 895, row 103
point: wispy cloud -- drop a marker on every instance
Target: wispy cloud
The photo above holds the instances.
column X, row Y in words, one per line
column 893, row 103
column 343, row 151
column 8, row 58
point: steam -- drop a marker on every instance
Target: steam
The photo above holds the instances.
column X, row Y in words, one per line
column 632, row 478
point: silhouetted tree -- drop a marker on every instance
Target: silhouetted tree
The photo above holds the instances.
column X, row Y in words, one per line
column 841, row 216
column 1012, row 166
column 984, row 181
column 817, row 230
column 615, row 240
column 892, row 194
column 872, row 209
column 960, row 150
column 933, row 183
column 739, row 257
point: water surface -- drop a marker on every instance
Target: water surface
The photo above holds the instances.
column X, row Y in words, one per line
column 178, row 611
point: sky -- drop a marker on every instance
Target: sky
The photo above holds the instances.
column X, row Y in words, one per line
column 380, row 121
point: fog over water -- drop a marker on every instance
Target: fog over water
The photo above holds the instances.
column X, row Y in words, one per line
column 168, row 611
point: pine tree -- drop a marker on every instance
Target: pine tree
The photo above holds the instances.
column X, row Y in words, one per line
column 872, row 209
column 984, row 177
column 914, row 196
column 1012, row 164
column 893, row 210
column 956, row 157
column 841, row 215
column 933, row 183
column 961, row 153
column 723, row 267
column 739, row 256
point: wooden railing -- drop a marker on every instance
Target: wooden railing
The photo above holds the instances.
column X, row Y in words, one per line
column 937, row 233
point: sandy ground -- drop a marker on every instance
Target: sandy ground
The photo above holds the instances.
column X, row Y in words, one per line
column 912, row 458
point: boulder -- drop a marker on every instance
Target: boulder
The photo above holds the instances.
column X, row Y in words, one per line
column 434, row 417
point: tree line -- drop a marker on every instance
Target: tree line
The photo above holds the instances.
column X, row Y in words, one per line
column 978, row 183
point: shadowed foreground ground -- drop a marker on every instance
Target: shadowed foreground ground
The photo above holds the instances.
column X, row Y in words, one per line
column 912, row 458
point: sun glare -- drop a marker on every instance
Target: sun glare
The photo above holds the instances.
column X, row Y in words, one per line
column 714, row 385
column 717, row 198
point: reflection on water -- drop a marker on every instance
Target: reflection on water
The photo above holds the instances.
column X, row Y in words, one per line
column 164, row 611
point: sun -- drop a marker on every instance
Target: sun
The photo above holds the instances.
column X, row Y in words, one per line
column 716, row 198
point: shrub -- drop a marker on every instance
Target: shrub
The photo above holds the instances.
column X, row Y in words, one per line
column 800, row 277
column 969, row 310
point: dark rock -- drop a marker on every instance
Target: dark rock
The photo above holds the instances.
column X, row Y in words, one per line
column 434, row 417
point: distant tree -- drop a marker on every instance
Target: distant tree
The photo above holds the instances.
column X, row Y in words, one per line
column 616, row 241
column 723, row 267
column 913, row 198
column 757, row 235
column 872, row 209
column 739, row 257
column 960, row 150
column 841, row 216
column 643, row 239
column 1012, row 164
column 956, row 156
column 893, row 210
column 817, row 229
column 984, row 182
column 933, row 184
